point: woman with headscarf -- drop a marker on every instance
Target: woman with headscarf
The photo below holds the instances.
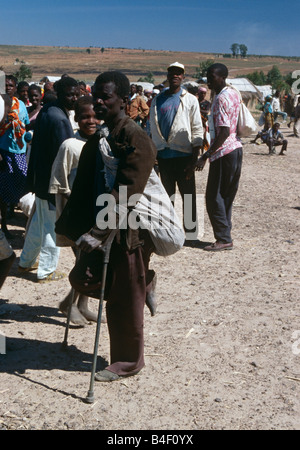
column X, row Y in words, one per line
column 268, row 112
column 13, row 153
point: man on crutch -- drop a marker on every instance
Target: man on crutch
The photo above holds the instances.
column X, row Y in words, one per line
column 128, row 277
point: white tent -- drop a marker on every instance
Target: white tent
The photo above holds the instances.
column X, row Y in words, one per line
column 243, row 85
column 265, row 90
column 249, row 92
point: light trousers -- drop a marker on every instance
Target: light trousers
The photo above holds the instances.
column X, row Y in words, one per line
column 40, row 240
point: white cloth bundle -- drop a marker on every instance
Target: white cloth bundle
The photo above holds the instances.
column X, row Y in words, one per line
column 153, row 211
column 2, row 104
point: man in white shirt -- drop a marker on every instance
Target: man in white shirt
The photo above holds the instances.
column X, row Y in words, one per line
column 276, row 107
column 177, row 131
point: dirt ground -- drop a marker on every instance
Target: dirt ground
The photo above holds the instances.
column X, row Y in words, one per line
column 223, row 351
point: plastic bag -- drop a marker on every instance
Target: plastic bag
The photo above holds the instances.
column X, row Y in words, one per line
column 26, row 203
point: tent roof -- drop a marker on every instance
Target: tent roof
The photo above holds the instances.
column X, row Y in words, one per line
column 242, row 84
column 51, row 78
column 145, row 85
column 265, row 90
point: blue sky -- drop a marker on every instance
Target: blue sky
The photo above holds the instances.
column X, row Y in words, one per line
column 264, row 26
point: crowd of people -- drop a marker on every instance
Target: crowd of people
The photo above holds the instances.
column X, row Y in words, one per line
column 68, row 145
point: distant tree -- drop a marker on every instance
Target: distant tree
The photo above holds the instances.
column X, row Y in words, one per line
column 102, row 50
column 88, row 50
column 277, row 81
column 274, row 77
column 23, row 73
column 235, row 48
column 201, row 71
column 257, row 78
column 148, row 78
column 243, row 50
column 289, row 79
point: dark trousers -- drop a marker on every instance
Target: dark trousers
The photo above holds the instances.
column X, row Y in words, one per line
column 172, row 173
column 272, row 143
column 222, row 185
column 130, row 281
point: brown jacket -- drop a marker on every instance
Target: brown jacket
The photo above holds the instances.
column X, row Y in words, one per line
column 137, row 108
column 136, row 153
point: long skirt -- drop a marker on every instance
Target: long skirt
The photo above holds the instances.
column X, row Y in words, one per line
column 12, row 177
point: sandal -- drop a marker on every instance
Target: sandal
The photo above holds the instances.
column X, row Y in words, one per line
column 106, row 375
column 54, row 276
column 28, row 269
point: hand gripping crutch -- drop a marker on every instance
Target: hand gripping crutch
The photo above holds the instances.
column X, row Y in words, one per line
column 105, row 248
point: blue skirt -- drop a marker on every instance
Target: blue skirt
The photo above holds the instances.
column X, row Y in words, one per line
column 13, row 174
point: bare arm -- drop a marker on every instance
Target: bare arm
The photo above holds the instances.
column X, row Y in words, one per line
column 218, row 142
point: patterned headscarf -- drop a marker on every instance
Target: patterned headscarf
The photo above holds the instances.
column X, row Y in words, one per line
column 15, row 123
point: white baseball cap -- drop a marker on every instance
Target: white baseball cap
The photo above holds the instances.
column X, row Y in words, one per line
column 176, row 64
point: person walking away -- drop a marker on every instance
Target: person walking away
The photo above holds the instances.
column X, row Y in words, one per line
column 52, row 128
column 225, row 155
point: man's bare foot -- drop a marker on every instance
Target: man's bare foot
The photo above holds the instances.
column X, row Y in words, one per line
column 76, row 317
column 151, row 300
column 86, row 312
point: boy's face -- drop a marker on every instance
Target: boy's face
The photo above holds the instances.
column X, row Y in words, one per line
column 23, row 94
column 87, row 120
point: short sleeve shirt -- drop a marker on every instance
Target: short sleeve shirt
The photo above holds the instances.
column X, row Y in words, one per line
column 225, row 112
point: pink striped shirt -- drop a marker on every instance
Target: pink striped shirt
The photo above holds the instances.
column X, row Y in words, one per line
column 225, row 110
